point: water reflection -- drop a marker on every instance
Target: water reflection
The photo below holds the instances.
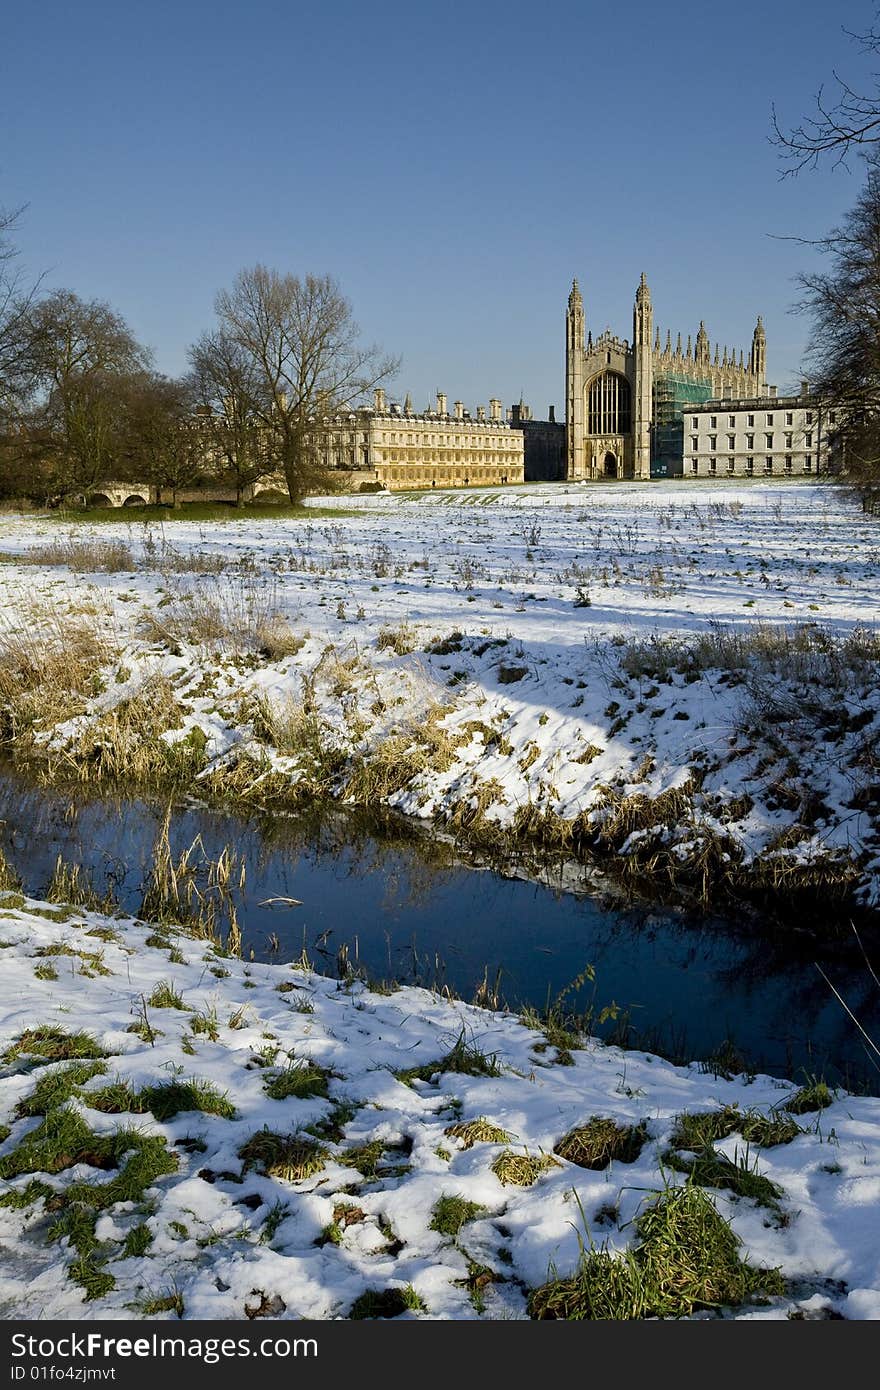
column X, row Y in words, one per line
column 406, row 907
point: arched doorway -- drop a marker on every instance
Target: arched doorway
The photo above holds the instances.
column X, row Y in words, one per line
column 609, row 467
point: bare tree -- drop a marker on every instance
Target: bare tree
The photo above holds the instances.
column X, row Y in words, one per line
column 303, row 346
column 16, row 301
column 228, row 387
column 843, row 353
column 79, row 357
column 844, row 122
column 167, row 444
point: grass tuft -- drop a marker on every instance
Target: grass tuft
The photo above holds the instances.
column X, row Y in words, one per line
column 53, row 1044
column 286, row 1156
column 450, row 1213
column 687, row 1258
column 463, row 1057
column 602, row 1141
column 697, row 1131
column 522, row 1170
column 478, row 1131
column 815, row 1096
column 169, row 1098
column 386, row 1303
column 300, row 1079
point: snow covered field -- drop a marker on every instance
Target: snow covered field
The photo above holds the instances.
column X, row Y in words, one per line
column 686, row 677
column 296, row 1147
column 682, row 676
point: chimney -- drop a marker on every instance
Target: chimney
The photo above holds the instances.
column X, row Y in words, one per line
column 805, row 388
column 551, row 414
column 441, row 403
column 494, row 409
column 481, row 413
column 379, row 401
column 459, row 410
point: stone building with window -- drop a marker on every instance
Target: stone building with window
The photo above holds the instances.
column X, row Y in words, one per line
column 389, row 446
column 765, row 436
column 625, row 400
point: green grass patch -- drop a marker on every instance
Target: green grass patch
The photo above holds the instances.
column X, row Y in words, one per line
column 695, row 1132
column 815, row 1096
column 165, row 996
column 119, row 1098
column 169, row 1098
column 287, row 1156
column 687, row 1258
column 331, row 1127
column 53, row 1044
column 301, row 1080
column 55, row 1087
column 365, row 1157
column 386, row 1303
column 736, row 1175
column 602, row 1141
column 463, row 1057
column 137, row 1242
column 61, row 1140
column 18, row 1198
column 450, row 1213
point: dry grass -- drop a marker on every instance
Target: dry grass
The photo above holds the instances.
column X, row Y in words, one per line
column 10, row 881
column 602, row 1141
column 84, row 557
column 71, row 883
column 522, row 1170
column 194, row 890
column 125, row 746
column 401, row 640
column 238, row 614
column 285, row 1156
column 478, row 1131
column 49, row 668
column 399, row 759
column 626, row 814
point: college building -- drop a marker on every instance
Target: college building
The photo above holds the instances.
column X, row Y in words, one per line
column 647, row 409
column 390, row 446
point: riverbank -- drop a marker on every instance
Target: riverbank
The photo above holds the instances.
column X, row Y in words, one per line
column 683, row 682
column 186, row 1134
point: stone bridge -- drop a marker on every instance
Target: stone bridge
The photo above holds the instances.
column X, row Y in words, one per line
column 121, row 495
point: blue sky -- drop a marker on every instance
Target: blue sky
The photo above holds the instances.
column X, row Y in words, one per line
column 452, row 166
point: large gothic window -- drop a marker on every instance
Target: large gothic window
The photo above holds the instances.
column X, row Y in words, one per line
column 608, row 405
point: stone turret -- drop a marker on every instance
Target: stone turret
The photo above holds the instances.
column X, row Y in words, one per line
column 758, row 356
column 574, row 383
column 643, row 319
column 702, row 350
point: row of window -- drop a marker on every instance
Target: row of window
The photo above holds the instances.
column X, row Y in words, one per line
column 788, row 466
column 750, row 442
column 769, row 418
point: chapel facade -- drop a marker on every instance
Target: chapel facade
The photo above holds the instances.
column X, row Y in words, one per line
column 626, row 399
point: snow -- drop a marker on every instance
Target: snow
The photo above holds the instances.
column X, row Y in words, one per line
column 533, row 691
column 207, row 1218
column 540, row 714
